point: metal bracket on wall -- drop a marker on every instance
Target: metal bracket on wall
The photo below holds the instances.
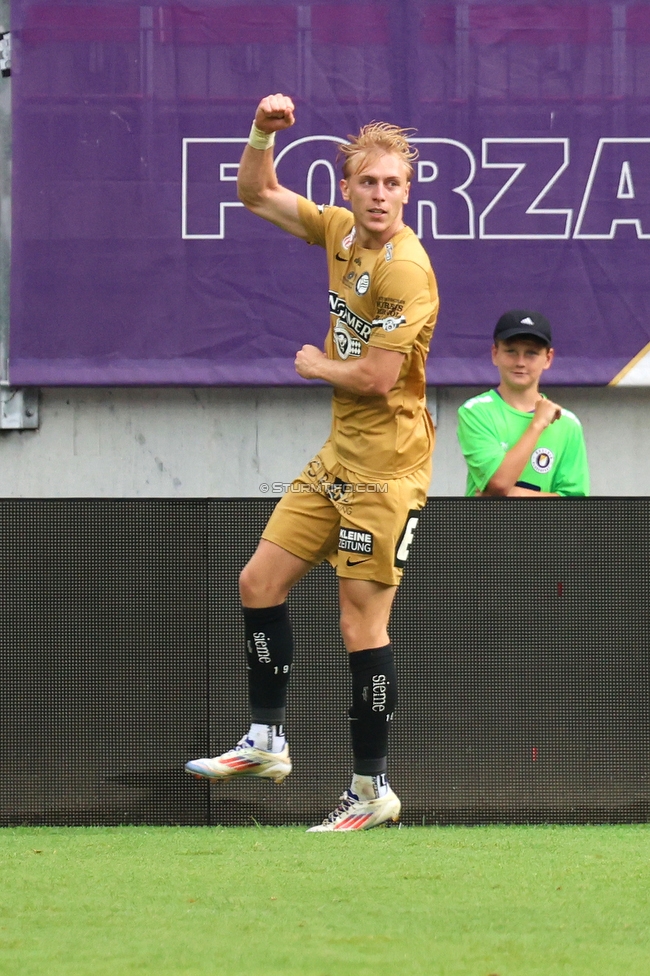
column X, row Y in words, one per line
column 18, row 408
column 5, row 54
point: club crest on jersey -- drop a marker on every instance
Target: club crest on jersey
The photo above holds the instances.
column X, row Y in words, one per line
column 542, row 460
column 390, row 323
column 346, row 346
column 363, row 284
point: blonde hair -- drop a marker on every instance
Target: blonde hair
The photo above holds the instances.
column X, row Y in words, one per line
column 377, row 139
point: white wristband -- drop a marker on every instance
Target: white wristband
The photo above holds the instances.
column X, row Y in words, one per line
column 260, row 140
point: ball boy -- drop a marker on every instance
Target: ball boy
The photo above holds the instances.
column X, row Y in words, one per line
column 516, row 442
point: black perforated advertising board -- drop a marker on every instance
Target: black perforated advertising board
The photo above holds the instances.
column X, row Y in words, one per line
column 521, row 638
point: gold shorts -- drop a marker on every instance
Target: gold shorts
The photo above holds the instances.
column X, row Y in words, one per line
column 363, row 527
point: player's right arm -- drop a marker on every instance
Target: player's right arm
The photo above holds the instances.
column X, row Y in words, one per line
column 257, row 184
column 503, row 481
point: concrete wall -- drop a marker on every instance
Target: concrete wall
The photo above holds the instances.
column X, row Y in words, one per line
column 181, row 442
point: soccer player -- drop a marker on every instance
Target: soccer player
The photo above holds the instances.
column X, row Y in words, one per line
column 517, row 442
column 357, row 501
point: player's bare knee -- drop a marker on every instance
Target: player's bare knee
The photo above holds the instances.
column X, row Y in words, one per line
column 260, row 589
column 252, row 587
column 358, row 632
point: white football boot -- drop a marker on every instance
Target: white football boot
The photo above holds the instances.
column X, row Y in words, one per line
column 243, row 760
column 354, row 813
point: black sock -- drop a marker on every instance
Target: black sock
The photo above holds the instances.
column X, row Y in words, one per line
column 269, row 657
column 374, row 696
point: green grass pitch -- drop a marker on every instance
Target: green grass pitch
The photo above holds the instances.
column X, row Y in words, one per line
column 512, row 901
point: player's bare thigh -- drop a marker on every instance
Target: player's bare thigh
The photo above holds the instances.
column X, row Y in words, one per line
column 269, row 574
column 365, row 611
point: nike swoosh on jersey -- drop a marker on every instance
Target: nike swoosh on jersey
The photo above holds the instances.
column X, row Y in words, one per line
column 341, row 259
column 356, row 562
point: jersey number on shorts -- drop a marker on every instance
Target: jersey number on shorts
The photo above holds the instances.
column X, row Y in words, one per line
column 404, row 543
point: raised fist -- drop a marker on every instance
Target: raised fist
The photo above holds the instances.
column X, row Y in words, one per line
column 547, row 412
column 275, row 112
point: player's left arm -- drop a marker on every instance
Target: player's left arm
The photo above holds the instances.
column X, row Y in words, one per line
column 374, row 375
column 407, row 286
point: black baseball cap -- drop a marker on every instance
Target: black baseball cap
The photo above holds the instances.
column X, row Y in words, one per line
column 520, row 322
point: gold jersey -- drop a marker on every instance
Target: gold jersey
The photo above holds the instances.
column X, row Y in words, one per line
column 386, row 298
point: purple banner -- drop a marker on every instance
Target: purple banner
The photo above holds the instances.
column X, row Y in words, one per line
column 134, row 263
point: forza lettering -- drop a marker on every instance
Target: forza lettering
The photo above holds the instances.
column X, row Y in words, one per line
column 617, row 191
column 533, row 162
column 542, row 194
